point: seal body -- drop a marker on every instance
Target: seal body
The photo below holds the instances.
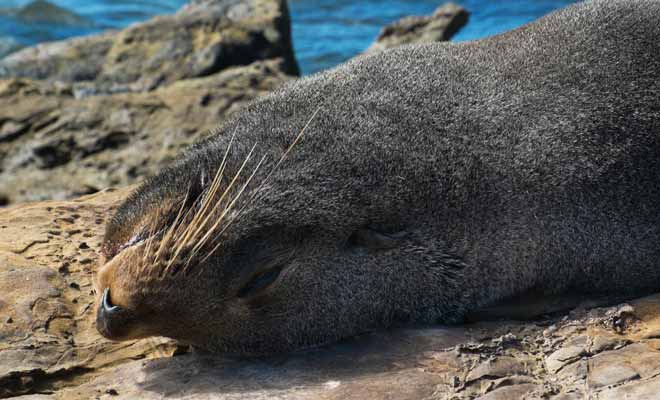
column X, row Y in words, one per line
column 408, row 186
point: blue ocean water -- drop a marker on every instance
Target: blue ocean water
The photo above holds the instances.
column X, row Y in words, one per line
column 325, row 32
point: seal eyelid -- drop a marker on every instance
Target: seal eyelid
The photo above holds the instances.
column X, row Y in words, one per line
column 374, row 240
column 260, row 281
column 143, row 234
column 135, row 239
column 113, row 251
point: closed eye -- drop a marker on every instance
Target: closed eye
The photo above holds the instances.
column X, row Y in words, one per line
column 138, row 238
column 157, row 222
column 260, row 282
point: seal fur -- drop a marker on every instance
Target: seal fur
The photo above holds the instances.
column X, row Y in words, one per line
column 408, row 186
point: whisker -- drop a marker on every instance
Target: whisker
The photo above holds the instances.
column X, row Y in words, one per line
column 286, row 153
column 204, row 239
column 175, row 227
column 288, row 150
column 186, row 229
column 213, row 190
column 171, row 231
column 152, row 232
column 222, row 197
column 231, row 205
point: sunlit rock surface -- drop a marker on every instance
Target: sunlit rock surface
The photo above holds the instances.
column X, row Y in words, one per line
column 567, row 349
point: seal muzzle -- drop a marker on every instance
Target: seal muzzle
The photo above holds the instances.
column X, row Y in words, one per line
column 107, row 316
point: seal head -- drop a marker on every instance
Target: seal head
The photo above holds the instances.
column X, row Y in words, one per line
column 227, row 268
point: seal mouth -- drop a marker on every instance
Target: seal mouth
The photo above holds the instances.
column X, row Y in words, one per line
column 106, row 317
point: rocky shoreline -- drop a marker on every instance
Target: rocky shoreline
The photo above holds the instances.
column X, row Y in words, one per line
column 83, row 115
column 107, row 110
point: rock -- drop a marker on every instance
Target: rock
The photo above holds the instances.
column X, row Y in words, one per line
column 8, row 44
column 608, row 375
column 87, row 123
column 48, row 253
column 636, row 361
column 36, row 295
column 572, row 350
column 54, row 146
column 444, row 23
column 51, row 336
column 201, row 39
column 605, row 342
column 498, row 368
column 573, row 375
column 509, row 392
column 569, row 396
column 41, row 11
column 77, row 59
column 647, row 311
column 647, row 390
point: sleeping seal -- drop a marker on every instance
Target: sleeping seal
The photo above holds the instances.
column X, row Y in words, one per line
column 408, row 186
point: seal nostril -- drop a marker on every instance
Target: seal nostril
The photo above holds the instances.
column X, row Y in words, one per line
column 107, row 305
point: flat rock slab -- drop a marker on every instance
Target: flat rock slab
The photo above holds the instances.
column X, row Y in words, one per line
column 49, row 348
column 47, row 262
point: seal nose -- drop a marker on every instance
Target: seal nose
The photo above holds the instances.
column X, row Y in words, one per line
column 105, row 314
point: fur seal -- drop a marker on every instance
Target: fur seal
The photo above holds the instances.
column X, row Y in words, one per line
column 408, row 186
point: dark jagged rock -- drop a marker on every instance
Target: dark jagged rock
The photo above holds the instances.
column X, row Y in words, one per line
column 203, row 38
column 444, row 23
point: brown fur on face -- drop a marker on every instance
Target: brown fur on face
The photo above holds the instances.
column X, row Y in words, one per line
column 162, row 242
column 133, row 321
column 133, row 259
column 432, row 180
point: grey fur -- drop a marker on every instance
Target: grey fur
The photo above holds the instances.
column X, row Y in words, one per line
column 433, row 180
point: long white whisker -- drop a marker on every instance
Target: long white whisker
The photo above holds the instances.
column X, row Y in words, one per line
column 212, row 191
column 288, row 150
column 231, row 205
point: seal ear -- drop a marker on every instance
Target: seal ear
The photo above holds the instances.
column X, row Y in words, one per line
column 373, row 240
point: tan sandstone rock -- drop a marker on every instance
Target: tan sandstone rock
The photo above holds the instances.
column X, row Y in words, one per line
column 48, row 257
column 54, row 146
column 49, row 347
